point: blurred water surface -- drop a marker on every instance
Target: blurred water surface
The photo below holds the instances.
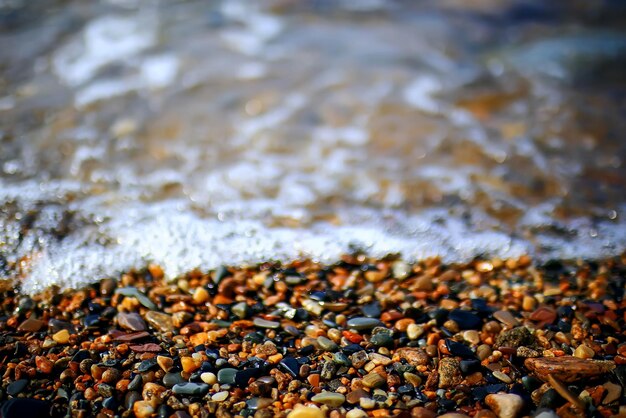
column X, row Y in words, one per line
column 193, row 133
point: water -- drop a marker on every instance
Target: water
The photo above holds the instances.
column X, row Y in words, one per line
column 193, row 134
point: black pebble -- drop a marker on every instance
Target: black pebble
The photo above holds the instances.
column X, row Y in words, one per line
column 290, row 365
column 465, row 319
column 25, row 407
column 469, row 366
column 459, row 349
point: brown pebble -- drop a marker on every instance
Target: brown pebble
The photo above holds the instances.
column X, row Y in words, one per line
column 568, row 368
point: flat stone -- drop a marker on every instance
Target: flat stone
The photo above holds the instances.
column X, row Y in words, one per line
column 506, row 318
column 264, row 323
column 31, row 325
column 465, row 319
column 331, row 399
column 133, row 292
column 505, row 405
column 220, row 396
column 131, row 337
column 226, row 376
column 172, row 379
column 258, row 403
column 146, row 348
column 327, row 344
column 354, row 396
column 373, row 380
column 568, row 368
column 131, row 321
column 193, row 389
column 459, row 349
column 290, row 365
column 362, row 323
column 160, row 321
column 16, row 387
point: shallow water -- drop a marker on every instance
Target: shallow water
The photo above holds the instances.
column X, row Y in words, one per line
column 194, row 135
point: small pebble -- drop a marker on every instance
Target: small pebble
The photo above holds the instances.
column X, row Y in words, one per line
column 61, row 337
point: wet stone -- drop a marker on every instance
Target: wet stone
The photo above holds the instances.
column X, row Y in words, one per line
column 290, row 365
column 568, row 368
column 226, row 376
column 459, row 349
column 31, row 325
column 331, row 399
column 382, row 339
column 327, row 344
column 133, row 292
column 263, row 323
column 105, row 390
column 465, row 319
column 171, row 379
column 469, row 366
column 192, row 389
column 449, row 372
column 515, row 337
column 506, row 318
column 359, row 358
column 17, row 387
column 160, row 321
column 131, row 321
column 241, row 310
column 371, row 310
column 363, row 323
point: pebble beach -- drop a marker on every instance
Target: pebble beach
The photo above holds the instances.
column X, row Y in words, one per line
column 358, row 338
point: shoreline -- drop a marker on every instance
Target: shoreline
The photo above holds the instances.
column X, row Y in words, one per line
column 358, row 338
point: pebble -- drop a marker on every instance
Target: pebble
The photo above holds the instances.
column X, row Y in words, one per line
column 584, row 352
column 133, row 292
column 200, row 296
column 263, row 323
column 506, row 318
column 306, row 412
column 414, row 331
column 326, row 344
column 131, row 321
column 505, row 405
column 241, row 310
column 143, row 409
column 356, row 413
column 171, row 379
column 367, row 403
column 568, row 368
column 465, row 319
column 188, row 388
column 160, row 321
column 220, row 396
column 165, row 363
column 61, row 337
column 449, row 372
column 400, row 270
column 373, row 380
column 331, row 399
column 31, row 325
column 16, row 387
column 208, row 378
column 363, row 323
column 226, row 376
column 502, row 377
